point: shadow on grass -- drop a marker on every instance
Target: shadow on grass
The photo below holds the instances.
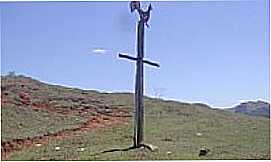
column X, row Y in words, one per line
column 142, row 145
column 115, row 150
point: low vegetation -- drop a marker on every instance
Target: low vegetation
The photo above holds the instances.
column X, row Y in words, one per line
column 179, row 130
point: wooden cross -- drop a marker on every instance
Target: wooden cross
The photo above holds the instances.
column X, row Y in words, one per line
column 139, row 81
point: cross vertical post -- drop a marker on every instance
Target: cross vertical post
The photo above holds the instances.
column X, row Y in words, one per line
column 139, row 79
column 140, row 83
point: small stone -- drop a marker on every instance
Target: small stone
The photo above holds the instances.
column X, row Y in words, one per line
column 38, row 144
column 153, row 148
column 81, row 149
column 169, row 152
column 199, row 134
column 203, row 151
column 57, row 148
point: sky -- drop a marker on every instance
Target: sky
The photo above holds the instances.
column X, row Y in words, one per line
column 214, row 52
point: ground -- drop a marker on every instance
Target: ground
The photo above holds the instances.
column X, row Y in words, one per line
column 49, row 122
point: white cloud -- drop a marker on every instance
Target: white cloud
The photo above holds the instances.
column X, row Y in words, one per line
column 99, row 51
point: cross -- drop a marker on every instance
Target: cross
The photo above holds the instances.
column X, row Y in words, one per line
column 139, row 81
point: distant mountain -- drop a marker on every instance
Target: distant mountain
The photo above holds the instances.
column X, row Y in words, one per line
column 252, row 108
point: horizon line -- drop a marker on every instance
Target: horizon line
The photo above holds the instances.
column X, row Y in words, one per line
column 146, row 95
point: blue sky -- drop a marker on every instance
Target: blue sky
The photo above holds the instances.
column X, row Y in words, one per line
column 211, row 52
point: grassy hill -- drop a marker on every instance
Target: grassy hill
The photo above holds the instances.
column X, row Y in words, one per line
column 50, row 122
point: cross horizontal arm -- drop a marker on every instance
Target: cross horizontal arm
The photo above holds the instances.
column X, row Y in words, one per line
column 135, row 59
column 151, row 63
column 127, row 57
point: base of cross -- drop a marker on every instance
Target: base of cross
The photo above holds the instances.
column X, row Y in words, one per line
column 148, row 146
column 142, row 145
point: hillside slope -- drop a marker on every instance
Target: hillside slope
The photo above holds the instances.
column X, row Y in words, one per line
column 72, row 124
column 258, row 108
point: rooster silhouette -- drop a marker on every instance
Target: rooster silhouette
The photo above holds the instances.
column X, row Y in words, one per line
column 144, row 15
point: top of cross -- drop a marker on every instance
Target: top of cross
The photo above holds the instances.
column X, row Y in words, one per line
column 144, row 15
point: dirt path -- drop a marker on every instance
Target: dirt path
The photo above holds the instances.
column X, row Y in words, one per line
column 100, row 121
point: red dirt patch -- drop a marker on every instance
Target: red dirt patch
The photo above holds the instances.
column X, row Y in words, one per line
column 25, row 98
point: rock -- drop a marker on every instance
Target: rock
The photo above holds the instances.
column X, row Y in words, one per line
column 154, row 148
column 199, row 134
column 81, row 149
column 57, row 148
column 108, row 110
column 37, row 144
column 169, row 152
column 203, row 151
column 151, row 147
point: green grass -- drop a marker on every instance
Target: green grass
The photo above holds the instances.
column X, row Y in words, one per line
column 22, row 122
column 172, row 127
